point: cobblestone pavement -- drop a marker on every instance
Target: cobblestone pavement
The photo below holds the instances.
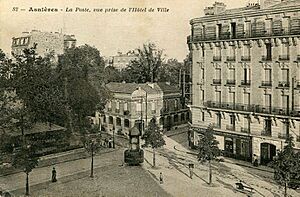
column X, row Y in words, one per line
column 174, row 166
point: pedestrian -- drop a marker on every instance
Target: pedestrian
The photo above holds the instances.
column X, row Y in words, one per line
column 161, row 180
column 54, row 175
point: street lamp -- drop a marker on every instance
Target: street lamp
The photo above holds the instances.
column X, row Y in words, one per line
column 113, row 137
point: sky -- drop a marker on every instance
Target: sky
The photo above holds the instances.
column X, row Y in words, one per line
column 109, row 32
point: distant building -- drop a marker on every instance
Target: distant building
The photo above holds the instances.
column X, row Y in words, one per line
column 185, row 80
column 132, row 102
column 121, row 61
column 45, row 42
column 246, row 77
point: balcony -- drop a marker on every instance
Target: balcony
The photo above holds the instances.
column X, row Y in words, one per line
column 230, row 82
column 245, row 58
column 266, row 84
column 283, row 84
column 282, row 135
column 266, row 133
column 230, row 127
column 230, row 58
column 126, row 113
column 252, row 108
column 245, row 83
column 216, row 81
column 284, row 58
column 266, row 58
column 217, row 58
column 245, row 130
column 216, row 126
column 253, row 33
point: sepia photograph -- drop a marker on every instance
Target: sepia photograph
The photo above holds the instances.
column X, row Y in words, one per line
column 150, row 98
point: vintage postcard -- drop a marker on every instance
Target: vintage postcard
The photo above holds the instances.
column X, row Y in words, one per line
column 149, row 98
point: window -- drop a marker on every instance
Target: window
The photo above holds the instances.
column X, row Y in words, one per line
column 109, row 105
column 247, row 98
column 247, row 28
column 118, row 121
column 232, row 119
column 268, row 52
column 268, row 75
column 138, row 107
column 232, row 97
column 268, row 127
column 286, row 25
column 202, row 94
column 219, row 31
column 268, row 102
column 219, row 120
column 233, row 30
column 231, row 75
column 203, row 116
column 285, row 51
column 126, row 123
column 110, row 120
column 246, row 52
column 285, row 75
column 125, row 106
column 284, row 101
column 218, row 96
column 117, row 105
column 218, row 74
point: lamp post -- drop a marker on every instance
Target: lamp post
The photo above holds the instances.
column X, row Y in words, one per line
column 92, row 162
column 113, row 137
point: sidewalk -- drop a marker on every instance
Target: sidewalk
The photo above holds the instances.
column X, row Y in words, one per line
column 42, row 175
column 174, row 166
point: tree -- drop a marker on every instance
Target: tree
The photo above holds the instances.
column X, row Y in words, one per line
column 146, row 67
column 80, row 71
column 92, row 144
column 208, row 149
column 25, row 159
column 286, row 165
column 170, row 71
column 153, row 137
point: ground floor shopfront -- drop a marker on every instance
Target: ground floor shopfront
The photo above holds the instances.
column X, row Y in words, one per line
column 243, row 147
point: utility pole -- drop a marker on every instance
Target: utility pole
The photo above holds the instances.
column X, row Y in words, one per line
column 146, row 114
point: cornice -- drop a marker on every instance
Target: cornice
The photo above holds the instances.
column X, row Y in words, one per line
column 246, row 14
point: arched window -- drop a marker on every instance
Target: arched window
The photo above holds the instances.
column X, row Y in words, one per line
column 126, row 123
column 110, row 120
column 118, row 121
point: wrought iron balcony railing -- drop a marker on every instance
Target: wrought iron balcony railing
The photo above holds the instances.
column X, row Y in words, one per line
column 217, row 58
column 230, row 82
column 266, row 58
column 245, row 82
column 282, row 135
column 253, row 108
column 284, row 57
column 230, row 58
column 230, row 127
column 253, row 33
column 217, row 81
column 245, row 58
column 266, row 83
column 283, row 84
column 245, row 130
column 266, row 133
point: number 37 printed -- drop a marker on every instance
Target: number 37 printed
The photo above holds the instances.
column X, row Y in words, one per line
column 15, row 9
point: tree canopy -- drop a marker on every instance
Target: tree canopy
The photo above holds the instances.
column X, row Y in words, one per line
column 153, row 136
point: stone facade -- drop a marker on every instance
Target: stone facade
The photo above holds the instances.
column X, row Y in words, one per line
column 131, row 102
column 246, row 77
column 46, row 42
column 121, row 61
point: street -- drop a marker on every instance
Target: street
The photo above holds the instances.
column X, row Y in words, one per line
column 113, row 178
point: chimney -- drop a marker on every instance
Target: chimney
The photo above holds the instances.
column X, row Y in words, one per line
column 217, row 8
column 268, row 3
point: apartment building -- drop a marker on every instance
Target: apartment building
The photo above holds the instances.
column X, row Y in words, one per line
column 131, row 102
column 246, row 77
column 45, row 42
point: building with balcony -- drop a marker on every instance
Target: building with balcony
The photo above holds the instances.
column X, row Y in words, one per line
column 249, row 58
column 131, row 102
column 45, row 42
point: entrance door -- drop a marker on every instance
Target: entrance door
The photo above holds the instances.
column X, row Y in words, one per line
column 267, row 152
column 228, row 147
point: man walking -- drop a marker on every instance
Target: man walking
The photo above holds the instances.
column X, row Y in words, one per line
column 54, row 175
